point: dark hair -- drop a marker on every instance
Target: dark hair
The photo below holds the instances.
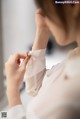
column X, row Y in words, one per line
column 65, row 15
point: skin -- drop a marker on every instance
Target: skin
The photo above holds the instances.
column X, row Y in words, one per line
column 15, row 72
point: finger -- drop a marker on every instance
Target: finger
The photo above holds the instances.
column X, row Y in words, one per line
column 26, row 61
column 27, row 54
column 18, row 61
column 19, row 56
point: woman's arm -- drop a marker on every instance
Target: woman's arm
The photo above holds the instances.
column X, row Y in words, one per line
column 15, row 73
column 13, row 97
column 41, row 39
column 42, row 31
column 34, row 78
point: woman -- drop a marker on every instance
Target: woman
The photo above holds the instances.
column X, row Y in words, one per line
column 55, row 91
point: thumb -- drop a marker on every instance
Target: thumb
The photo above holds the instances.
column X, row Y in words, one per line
column 26, row 60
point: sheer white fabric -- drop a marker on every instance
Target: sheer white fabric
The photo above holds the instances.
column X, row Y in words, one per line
column 50, row 88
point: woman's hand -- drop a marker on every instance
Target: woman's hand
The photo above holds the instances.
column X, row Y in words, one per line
column 15, row 70
column 42, row 31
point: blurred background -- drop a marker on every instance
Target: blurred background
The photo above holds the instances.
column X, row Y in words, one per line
column 17, row 33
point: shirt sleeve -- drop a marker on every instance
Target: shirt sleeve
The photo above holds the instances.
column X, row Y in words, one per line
column 35, row 71
column 17, row 112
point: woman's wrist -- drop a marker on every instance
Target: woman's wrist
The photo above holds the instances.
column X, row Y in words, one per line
column 13, row 95
column 12, row 91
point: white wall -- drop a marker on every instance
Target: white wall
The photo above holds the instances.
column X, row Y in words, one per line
column 2, row 89
column 18, row 20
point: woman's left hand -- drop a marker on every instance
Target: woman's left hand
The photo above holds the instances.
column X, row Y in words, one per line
column 15, row 69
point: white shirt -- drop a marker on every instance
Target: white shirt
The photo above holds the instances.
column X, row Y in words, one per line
column 50, row 88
